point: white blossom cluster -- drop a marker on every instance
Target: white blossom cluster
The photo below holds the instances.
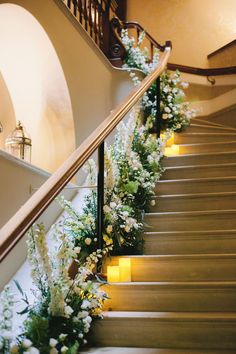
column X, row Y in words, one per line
column 6, row 315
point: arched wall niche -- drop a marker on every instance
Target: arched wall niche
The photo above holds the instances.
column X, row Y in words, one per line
column 33, row 88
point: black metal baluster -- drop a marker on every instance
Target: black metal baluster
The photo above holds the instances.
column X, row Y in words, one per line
column 157, row 123
column 100, row 195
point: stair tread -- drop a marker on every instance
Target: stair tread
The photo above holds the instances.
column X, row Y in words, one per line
column 176, row 316
column 209, row 143
column 182, row 256
column 198, row 125
column 206, row 134
column 190, row 213
column 133, row 350
column 194, row 195
column 201, row 166
column 213, row 124
column 194, row 232
column 179, row 284
column 194, row 179
column 217, row 153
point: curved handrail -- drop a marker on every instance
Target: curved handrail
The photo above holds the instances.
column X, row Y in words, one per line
column 119, row 25
column 228, row 70
column 18, row 225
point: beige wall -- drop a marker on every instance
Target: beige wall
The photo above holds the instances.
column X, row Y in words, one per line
column 195, row 27
column 91, row 82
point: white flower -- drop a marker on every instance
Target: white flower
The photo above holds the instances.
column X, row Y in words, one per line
column 77, row 250
column 7, row 335
column 64, row 349
column 80, row 335
column 85, row 305
column 82, row 314
column 26, row 343
column 88, row 241
column 68, row 311
column 88, row 319
column 62, row 336
column 53, row 342
column 106, row 209
column 112, row 205
column 152, row 202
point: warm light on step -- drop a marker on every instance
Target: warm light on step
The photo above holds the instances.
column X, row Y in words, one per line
column 125, row 269
column 172, row 151
column 120, row 273
column 170, row 141
column 113, row 274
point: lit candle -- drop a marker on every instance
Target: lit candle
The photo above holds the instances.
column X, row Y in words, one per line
column 170, row 141
column 172, row 151
column 175, row 149
column 125, row 269
column 113, row 274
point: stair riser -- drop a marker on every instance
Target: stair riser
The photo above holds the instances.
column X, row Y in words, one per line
column 196, row 203
column 152, row 333
column 196, row 269
column 207, row 129
column 199, row 160
column 183, row 187
column 186, row 245
column 199, row 172
column 190, row 222
column 201, row 148
column 141, row 298
column 198, row 138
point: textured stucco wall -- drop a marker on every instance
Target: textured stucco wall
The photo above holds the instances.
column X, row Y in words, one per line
column 196, row 27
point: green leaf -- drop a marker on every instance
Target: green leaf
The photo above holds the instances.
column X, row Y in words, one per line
column 19, row 287
column 131, row 187
column 24, row 311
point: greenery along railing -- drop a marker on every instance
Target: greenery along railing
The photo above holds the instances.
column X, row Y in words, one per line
column 134, row 29
column 19, row 224
column 67, row 299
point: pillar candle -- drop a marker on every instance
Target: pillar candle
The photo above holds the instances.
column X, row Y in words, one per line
column 125, row 269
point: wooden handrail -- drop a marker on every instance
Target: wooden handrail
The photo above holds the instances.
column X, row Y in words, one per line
column 202, row 71
column 19, row 224
column 119, row 25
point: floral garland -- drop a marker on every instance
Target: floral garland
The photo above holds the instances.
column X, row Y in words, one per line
column 67, row 292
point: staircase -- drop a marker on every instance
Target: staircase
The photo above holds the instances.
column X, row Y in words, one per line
column 182, row 297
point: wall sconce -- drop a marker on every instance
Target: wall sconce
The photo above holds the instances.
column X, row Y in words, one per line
column 1, row 127
column 19, row 143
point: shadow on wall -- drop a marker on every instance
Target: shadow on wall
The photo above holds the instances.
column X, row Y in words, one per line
column 7, row 114
column 33, row 88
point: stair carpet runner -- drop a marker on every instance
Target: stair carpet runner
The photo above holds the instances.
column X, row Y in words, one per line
column 182, row 298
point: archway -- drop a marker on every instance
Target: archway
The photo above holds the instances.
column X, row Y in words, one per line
column 36, row 85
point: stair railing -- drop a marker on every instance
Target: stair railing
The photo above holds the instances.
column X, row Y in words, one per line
column 94, row 16
column 14, row 230
column 135, row 29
